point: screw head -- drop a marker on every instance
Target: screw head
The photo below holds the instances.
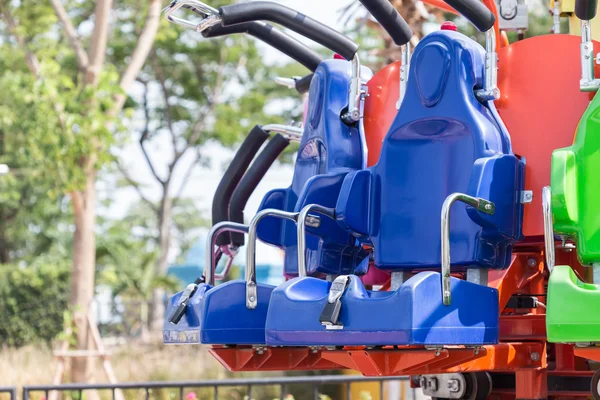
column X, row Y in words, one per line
column 531, row 262
column 535, row 356
column 252, row 298
column 488, row 206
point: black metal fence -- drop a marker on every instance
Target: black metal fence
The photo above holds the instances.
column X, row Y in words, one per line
column 8, row 392
column 311, row 385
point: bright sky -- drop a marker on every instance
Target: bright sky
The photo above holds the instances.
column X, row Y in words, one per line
column 204, row 181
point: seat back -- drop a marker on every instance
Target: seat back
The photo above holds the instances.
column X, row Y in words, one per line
column 442, row 141
column 328, row 146
column 575, row 188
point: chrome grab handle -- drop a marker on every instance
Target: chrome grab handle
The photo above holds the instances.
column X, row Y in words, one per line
column 212, row 255
column 210, row 15
column 292, row 133
column 303, row 220
column 548, row 227
column 481, row 205
column 251, row 289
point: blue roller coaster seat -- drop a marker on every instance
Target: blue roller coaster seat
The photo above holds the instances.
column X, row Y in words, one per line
column 329, row 150
column 218, row 315
column 443, row 140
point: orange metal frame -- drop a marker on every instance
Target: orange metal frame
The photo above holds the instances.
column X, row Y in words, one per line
column 522, row 350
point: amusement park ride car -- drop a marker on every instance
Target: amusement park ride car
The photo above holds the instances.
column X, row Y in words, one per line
column 460, row 175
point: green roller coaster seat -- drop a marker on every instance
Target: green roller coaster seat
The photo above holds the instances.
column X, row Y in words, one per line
column 573, row 313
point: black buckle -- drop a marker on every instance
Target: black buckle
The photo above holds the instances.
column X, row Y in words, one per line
column 331, row 312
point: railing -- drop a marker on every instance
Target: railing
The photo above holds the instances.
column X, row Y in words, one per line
column 8, row 392
column 314, row 382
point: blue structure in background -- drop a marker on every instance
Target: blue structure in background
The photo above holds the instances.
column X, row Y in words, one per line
column 193, row 266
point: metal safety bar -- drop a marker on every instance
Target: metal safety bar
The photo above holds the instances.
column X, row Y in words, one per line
column 404, row 68
column 479, row 204
column 588, row 82
column 212, row 256
column 251, row 289
column 210, row 15
column 490, row 89
column 303, row 220
column 548, row 228
column 353, row 114
column 292, row 133
column 556, row 17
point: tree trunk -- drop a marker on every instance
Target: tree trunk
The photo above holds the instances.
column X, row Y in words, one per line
column 162, row 264
column 83, row 269
column 4, row 245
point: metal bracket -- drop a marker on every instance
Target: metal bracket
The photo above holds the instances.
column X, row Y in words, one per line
column 445, row 386
column 490, row 89
column 354, row 102
column 587, row 83
column 526, row 196
column 404, row 68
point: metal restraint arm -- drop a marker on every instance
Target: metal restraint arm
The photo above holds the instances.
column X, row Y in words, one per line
column 481, row 205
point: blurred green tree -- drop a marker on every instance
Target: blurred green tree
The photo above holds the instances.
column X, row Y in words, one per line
column 63, row 97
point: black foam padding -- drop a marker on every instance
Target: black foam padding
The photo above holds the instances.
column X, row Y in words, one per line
column 291, row 19
column 251, row 179
column 303, row 84
column 273, row 37
column 586, row 9
column 475, row 11
column 389, row 18
column 233, row 175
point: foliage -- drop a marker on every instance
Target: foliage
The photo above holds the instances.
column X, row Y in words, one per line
column 33, row 301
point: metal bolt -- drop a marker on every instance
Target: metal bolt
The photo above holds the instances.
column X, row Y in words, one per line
column 453, row 385
column 252, row 298
column 535, row 356
column 432, row 384
column 531, row 262
column 488, row 206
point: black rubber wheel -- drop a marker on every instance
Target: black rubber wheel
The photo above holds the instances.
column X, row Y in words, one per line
column 479, row 386
column 594, row 386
